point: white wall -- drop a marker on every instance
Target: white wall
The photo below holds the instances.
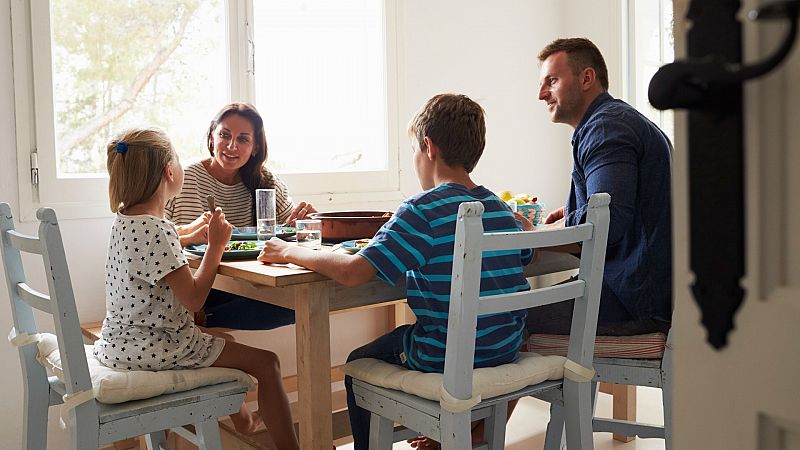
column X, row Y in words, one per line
column 469, row 46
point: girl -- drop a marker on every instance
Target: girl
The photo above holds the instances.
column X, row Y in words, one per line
column 150, row 290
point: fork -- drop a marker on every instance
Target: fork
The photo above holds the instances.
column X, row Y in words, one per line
column 212, row 203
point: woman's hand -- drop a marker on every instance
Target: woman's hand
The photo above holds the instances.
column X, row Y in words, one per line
column 301, row 211
column 219, row 229
column 274, row 251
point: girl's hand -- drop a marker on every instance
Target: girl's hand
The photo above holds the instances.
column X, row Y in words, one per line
column 197, row 223
column 196, row 237
column 301, row 211
column 219, row 230
column 555, row 215
column 274, row 251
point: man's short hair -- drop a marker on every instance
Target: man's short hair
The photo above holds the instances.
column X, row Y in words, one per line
column 456, row 124
column 581, row 53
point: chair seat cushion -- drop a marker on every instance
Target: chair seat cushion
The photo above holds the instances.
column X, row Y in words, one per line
column 487, row 382
column 118, row 386
column 643, row 346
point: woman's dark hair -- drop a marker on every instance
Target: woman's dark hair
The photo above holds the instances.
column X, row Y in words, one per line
column 254, row 174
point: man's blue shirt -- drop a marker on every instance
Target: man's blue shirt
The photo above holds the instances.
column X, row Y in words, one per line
column 618, row 150
column 418, row 242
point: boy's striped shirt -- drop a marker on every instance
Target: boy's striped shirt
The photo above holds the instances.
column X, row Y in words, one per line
column 418, row 243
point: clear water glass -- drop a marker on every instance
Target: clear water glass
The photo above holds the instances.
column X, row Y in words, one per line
column 265, row 214
column 309, row 233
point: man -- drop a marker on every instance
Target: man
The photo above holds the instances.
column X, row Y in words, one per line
column 617, row 150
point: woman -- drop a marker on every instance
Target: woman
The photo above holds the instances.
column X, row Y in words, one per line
column 238, row 147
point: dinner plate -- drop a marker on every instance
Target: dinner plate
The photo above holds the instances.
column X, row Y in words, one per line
column 350, row 246
column 249, row 233
column 251, row 253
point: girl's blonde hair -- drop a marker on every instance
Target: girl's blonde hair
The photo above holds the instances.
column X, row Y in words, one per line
column 135, row 161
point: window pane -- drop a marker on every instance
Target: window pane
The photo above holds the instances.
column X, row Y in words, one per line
column 654, row 44
column 134, row 63
column 320, row 81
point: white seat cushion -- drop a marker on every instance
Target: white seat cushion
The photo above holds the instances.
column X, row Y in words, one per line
column 487, row 382
column 118, row 386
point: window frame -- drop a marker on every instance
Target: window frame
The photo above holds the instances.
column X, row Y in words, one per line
column 630, row 63
column 76, row 197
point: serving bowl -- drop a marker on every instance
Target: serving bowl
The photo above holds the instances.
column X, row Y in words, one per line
column 338, row 226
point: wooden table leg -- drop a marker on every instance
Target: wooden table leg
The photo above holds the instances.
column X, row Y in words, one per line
column 400, row 314
column 624, row 407
column 312, row 308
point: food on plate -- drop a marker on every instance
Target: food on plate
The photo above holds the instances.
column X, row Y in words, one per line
column 361, row 243
column 240, row 245
column 521, row 199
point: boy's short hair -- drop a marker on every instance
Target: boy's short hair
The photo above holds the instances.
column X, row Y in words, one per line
column 581, row 53
column 456, row 124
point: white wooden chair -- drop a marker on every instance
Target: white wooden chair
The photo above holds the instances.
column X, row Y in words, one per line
column 631, row 371
column 91, row 423
column 444, row 420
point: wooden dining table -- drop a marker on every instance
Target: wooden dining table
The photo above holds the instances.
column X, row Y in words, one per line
column 314, row 297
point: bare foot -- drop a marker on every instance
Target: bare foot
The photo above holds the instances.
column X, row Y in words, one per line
column 423, row 443
column 246, row 421
column 426, row 443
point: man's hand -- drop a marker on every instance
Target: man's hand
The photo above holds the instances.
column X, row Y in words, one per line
column 274, row 251
column 301, row 211
column 555, row 215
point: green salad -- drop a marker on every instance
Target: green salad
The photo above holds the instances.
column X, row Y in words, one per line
column 240, row 245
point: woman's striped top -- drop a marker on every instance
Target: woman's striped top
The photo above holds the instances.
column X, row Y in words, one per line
column 418, row 243
column 236, row 201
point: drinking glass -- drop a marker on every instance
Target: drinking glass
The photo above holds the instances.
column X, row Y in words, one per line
column 309, row 233
column 265, row 213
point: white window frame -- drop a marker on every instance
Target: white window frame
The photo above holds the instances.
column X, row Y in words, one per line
column 76, row 198
column 630, row 75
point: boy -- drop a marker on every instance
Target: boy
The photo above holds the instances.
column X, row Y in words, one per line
column 448, row 137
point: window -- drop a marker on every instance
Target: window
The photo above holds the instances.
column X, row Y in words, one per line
column 88, row 69
column 650, row 46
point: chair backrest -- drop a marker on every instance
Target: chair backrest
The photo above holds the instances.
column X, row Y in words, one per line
column 466, row 304
column 60, row 303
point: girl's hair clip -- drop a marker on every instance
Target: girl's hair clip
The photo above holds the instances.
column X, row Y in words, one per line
column 121, row 147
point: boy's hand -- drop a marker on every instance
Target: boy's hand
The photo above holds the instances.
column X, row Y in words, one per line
column 219, row 230
column 526, row 224
column 274, row 251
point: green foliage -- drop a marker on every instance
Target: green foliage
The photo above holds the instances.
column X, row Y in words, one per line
column 124, row 63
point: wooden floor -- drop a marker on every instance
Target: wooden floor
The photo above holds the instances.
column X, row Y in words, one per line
column 527, row 426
